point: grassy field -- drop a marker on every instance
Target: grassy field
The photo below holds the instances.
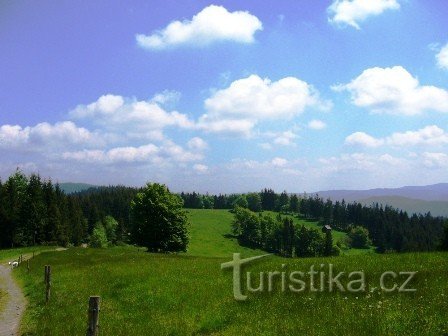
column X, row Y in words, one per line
column 210, row 234
column 13, row 254
column 189, row 294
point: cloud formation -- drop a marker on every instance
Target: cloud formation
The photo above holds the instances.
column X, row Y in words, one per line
column 352, row 12
column 429, row 135
column 212, row 24
column 248, row 101
column 442, row 57
column 394, row 91
column 46, row 136
column 150, row 153
column 317, row 124
column 138, row 118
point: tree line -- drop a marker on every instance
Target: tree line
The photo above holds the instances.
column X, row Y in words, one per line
column 36, row 211
column 279, row 235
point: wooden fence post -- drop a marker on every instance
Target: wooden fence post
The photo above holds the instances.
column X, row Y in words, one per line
column 93, row 316
column 47, row 282
column 28, row 265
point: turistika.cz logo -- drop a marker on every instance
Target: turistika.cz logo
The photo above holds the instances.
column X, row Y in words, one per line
column 321, row 278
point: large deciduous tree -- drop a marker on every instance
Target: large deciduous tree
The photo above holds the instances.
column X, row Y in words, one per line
column 158, row 220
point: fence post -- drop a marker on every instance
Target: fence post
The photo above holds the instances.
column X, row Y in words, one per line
column 47, row 282
column 93, row 316
column 28, row 265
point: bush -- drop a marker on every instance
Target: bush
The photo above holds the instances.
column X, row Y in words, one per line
column 98, row 239
column 359, row 237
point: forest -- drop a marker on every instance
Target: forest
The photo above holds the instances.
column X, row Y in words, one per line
column 34, row 211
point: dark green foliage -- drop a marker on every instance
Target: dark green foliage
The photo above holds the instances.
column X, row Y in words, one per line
column 241, row 202
column 268, row 199
column 294, row 204
column 279, row 235
column 444, row 242
column 390, row 229
column 283, row 202
column 254, row 202
column 359, row 237
column 34, row 212
column 246, row 226
column 328, row 243
column 158, row 220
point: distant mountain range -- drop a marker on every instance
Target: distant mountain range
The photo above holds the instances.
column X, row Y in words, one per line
column 413, row 199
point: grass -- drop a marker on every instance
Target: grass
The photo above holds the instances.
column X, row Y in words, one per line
column 188, row 294
column 210, row 234
column 14, row 253
column 147, row 294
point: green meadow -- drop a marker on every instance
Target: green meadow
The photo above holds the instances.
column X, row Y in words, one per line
column 189, row 294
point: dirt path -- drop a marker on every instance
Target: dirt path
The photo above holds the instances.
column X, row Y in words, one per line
column 16, row 302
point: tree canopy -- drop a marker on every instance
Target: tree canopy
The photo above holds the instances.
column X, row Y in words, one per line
column 158, row 220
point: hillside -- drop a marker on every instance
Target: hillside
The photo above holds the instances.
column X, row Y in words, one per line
column 437, row 208
column 435, row 192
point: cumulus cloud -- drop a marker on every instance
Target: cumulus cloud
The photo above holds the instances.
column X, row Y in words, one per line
column 317, row 124
column 395, row 91
column 429, row 135
column 442, row 57
column 279, row 162
column 197, row 143
column 352, row 12
column 435, row 160
column 250, row 100
column 212, row 24
column 363, row 139
column 200, row 168
column 285, row 138
column 46, row 136
column 114, row 112
column 150, row 153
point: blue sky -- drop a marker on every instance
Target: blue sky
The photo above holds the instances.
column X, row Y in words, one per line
column 226, row 96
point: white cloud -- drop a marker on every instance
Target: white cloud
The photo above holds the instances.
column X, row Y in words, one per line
column 352, row 12
column 285, row 138
column 200, row 168
column 149, row 153
column 429, row 135
column 213, row 23
column 363, row 139
column 279, row 162
column 317, row 124
column 167, row 97
column 395, row 91
column 46, row 136
column 197, row 143
column 250, row 100
column 116, row 113
column 442, row 57
column 435, row 160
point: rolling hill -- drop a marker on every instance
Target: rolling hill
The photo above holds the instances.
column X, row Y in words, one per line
column 413, row 199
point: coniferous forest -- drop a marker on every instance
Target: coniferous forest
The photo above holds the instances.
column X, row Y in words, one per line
column 35, row 211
